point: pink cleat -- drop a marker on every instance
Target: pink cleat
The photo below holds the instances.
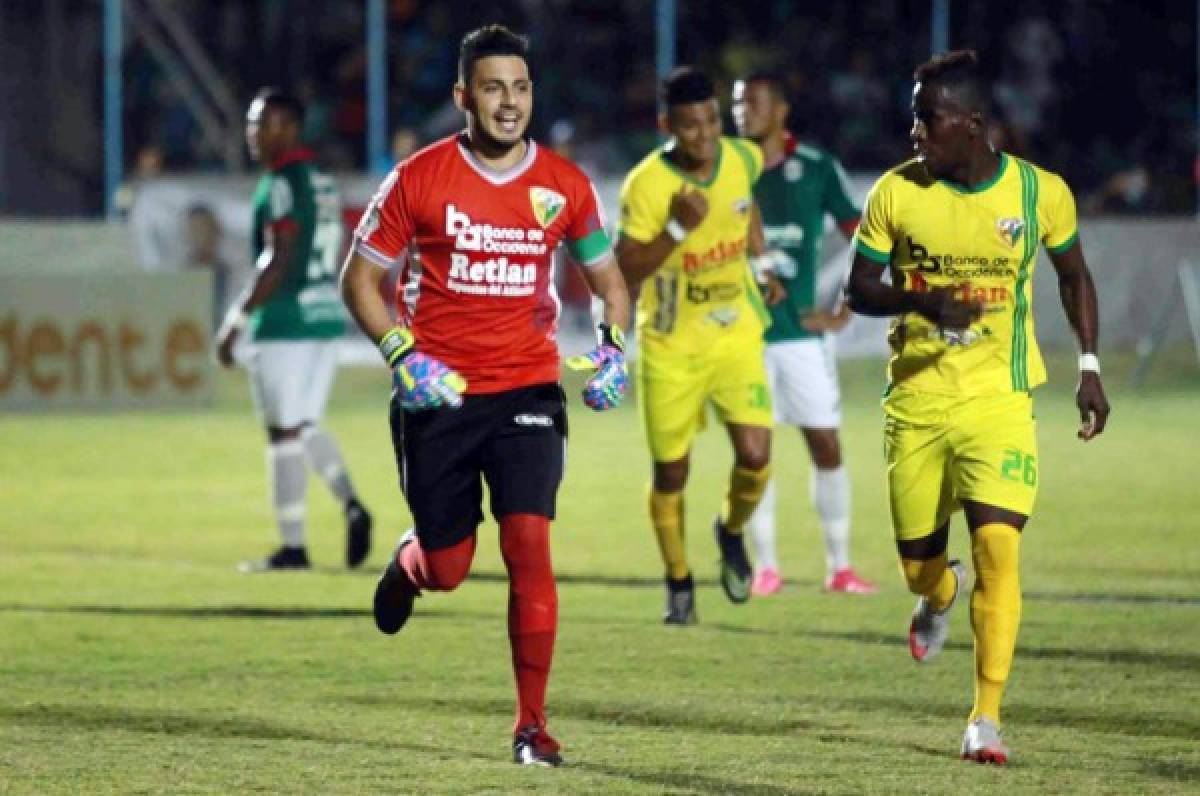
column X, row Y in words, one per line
column 847, row 581
column 767, row 581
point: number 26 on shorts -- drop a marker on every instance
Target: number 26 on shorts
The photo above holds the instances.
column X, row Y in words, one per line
column 1019, row 466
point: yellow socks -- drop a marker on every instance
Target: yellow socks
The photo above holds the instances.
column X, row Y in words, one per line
column 995, row 613
column 746, row 489
column 931, row 579
column 666, row 514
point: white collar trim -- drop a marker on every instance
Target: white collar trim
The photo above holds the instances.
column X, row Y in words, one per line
column 490, row 174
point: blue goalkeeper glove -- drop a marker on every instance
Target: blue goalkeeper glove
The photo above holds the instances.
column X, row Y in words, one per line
column 421, row 381
column 606, row 388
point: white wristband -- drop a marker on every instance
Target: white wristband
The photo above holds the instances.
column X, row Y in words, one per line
column 1089, row 362
column 235, row 319
column 676, row 230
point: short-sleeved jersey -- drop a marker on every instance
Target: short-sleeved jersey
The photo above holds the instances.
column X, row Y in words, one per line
column 704, row 287
column 982, row 244
column 306, row 305
column 793, row 197
column 476, row 286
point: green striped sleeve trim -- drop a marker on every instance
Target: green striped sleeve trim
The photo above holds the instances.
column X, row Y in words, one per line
column 883, row 258
column 756, row 300
column 1019, row 355
column 1066, row 244
column 591, row 248
column 752, row 169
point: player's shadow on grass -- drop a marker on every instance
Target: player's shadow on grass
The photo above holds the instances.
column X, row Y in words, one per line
column 1179, row 661
column 196, row 611
column 654, row 717
column 1058, row 716
column 102, row 718
column 691, row 781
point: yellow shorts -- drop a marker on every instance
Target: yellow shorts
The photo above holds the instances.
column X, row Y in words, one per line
column 674, row 388
column 943, row 449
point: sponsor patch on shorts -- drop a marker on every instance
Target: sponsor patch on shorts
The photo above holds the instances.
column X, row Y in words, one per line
column 525, row 419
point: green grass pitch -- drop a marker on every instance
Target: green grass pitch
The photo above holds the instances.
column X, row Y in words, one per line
column 135, row 659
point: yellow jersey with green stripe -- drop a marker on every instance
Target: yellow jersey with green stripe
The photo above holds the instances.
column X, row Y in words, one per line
column 982, row 244
column 704, row 291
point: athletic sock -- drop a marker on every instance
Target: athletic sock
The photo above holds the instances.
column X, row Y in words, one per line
column 830, row 491
column 326, row 461
column 762, row 530
column 289, row 481
column 666, row 515
column 931, row 579
column 745, row 490
column 532, row 611
column 436, row 570
column 995, row 612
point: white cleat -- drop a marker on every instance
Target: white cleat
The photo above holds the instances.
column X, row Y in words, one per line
column 983, row 744
column 929, row 628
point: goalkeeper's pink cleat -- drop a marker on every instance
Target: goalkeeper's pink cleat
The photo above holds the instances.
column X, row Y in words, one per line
column 767, row 581
column 847, row 581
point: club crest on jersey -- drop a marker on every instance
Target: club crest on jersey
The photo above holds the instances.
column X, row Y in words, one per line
column 546, row 204
column 741, row 206
column 1009, row 230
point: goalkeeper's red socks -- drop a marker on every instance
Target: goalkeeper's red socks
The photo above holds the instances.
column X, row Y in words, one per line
column 532, row 611
column 436, row 570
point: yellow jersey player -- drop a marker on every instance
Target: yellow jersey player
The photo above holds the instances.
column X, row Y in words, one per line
column 959, row 228
column 687, row 220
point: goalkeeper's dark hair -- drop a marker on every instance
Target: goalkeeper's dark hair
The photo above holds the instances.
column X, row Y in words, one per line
column 685, row 85
column 486, row 42
column 290, row 104
column 957, row 71
column 774, row 81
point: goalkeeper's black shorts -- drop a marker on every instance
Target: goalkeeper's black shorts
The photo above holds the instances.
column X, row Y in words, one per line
column 515, row 440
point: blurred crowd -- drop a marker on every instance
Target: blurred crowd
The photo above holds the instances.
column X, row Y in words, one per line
column 1099, row 90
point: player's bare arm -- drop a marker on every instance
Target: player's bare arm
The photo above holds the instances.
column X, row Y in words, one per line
column 360, row 286
column 607, row 284
column 868, row 294
column 1078, row 293
column 272, row 267
column 639, row 259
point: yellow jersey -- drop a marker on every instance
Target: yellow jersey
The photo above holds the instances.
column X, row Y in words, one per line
column 982, row 244
column 704, row 291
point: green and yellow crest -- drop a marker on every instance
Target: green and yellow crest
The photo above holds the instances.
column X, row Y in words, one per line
column 1009, row 230
column 546, row 204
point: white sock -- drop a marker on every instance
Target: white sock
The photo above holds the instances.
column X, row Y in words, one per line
column 762, row 530
column 830, row 491
column 289, row 480
column 326, row 461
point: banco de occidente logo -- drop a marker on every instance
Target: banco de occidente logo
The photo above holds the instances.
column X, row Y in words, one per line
column 492, row 260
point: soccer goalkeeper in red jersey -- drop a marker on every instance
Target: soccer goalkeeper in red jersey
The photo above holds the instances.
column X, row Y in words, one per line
column 474, row 219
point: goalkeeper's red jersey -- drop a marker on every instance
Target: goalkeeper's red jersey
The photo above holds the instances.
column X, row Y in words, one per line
column 475, row 249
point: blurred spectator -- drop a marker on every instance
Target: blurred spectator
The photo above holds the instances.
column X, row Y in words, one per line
column 404, row 142
column 202, row 233
column 148, row 163
column 1057, row 65
column 1127, row 191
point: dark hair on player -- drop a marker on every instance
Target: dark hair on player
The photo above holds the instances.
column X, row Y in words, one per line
column 198, row 209
column 273, row 97
column 685, row 85
column 958, row 71
column 773, row 80
column 488, row 41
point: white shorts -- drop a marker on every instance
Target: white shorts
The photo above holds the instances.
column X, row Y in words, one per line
column 290, row 380
column 802, row 375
